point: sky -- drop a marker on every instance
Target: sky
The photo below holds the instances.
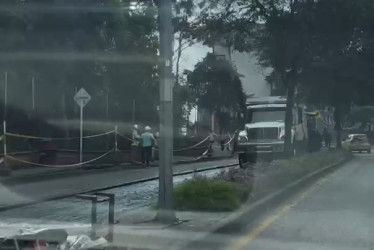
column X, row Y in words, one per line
column 190, row 57
column 246, row 65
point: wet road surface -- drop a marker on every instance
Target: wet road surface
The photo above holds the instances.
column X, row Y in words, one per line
column 337, row 212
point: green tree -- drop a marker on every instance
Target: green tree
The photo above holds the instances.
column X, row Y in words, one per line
column 282, row 45
column 363, row 115
column 217, row 87
column 322, row 49
column 274, row 29
column 104, row 46
column 338, row 73
column 183, row 101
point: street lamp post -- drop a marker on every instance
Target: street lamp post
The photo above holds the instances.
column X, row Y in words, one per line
column 166, row 213
column 33, row 93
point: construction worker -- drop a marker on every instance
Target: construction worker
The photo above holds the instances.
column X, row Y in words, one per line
column 147, row 140
column 135, row 135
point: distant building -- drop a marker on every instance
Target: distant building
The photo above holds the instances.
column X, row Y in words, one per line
column 251, row 74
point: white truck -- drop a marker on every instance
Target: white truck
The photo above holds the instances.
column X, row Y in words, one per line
column 264, row 131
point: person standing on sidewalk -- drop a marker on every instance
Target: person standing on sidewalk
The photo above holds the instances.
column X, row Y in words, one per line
column 135, row 152
column 211, row 142
column 235, row 142
column 155, row 147
column 147, row 141
column 135, row 135
column 327, row 138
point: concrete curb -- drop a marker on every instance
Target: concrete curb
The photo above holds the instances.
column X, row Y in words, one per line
column 103, row 167
column 252, row 210
column 5, row 208
column 9, row 180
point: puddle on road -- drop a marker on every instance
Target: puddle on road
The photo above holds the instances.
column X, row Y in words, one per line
column 78, row 211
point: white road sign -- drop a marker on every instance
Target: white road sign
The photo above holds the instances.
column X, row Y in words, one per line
column 82, row 97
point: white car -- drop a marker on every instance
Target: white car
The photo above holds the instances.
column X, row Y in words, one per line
column 357, row 142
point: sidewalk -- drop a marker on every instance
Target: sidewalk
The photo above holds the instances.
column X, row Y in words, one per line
column 46, row 188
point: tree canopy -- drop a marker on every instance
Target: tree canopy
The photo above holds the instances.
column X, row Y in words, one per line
column 321, row 50
column 108, row 47
column 217, row 87
column 363, row 115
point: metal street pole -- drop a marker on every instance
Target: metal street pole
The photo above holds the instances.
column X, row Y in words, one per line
column 133, row 111
column 5, row 95
column 33, row 92
column 107, row 105
column 107, row 118
column 5, row 170
column 81, row 136
column 166, row 213
column 81, row 98
column 5, row 114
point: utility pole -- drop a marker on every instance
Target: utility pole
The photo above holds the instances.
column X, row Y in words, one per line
column 133, row 111
column 33, row 92
column 165, row 195
column 5, row 96
column 5, row 170
column 107, row 105
column 5, row 114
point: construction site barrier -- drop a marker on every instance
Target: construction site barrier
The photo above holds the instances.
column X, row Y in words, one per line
column 125, row 137
column 57, row 138
column 59, row 166
column 193, row 146
column 10, row 156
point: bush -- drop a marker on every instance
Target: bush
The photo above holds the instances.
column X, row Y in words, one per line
column 243, row 177
column 313, row 160
column 209, row 195
column 273, row 176
column 228, row 189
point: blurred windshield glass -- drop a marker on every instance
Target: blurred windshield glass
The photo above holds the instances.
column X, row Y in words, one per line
column 259, row 115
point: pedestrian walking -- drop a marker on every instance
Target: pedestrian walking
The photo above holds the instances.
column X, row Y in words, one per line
column 147, row 141
column 155, row 147
column 235, row 142
column 327, row 137
column 135, row 152
column 135, row 134
column 211, row 142
column 222, row 142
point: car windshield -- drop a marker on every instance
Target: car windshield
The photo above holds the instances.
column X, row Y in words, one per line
column 265, row 115
column 360, row 138
column 186, row 124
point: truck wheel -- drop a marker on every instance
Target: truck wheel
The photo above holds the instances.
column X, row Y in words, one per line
column 242, row 160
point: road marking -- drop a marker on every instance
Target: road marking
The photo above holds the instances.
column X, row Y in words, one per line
column 269, row 221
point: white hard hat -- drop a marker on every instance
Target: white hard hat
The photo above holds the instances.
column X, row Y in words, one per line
column 147, row 128
column 135, row 126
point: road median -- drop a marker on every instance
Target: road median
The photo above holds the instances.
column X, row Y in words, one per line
column 273, row 184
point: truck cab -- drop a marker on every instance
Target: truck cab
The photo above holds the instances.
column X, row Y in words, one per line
column 263, row 135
